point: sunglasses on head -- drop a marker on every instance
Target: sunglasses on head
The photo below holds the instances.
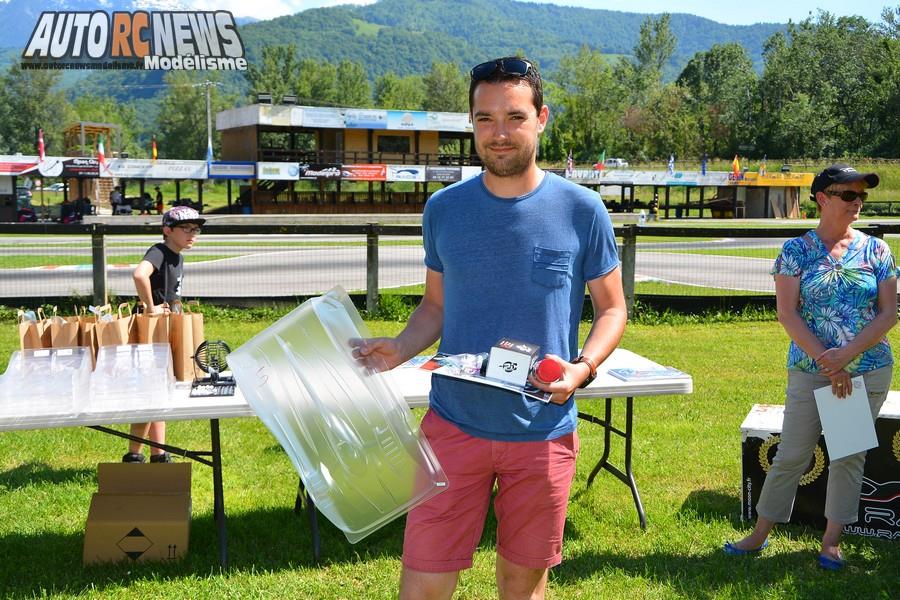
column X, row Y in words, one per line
column 508, row 66
column 848, row 195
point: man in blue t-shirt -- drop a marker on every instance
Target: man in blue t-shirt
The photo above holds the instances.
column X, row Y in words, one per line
column 508, row 254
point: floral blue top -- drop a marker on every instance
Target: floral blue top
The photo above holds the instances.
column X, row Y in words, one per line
column 838, row 297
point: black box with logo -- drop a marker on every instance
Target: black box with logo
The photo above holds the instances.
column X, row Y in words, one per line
column 879, row 506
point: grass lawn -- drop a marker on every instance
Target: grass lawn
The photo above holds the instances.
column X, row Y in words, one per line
column 687, row 464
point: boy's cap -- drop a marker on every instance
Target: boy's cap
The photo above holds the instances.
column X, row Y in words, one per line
column 841, row 173
column 180, row 215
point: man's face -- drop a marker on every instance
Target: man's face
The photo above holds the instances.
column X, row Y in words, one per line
column 506, row 127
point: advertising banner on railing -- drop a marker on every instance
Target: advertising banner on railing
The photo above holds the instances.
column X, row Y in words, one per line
column 232, row 170
column 470, row 171
column 373, row 172
column 278, row 171
column 407, row 119
column 355, row 118
column 405, row 173
column 319, row 171
column 144, row 168
column 443, row 174
column 446, row 121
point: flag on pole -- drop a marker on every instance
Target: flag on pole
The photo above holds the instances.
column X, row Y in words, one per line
column 670, row 168
column 41, row 144
column 736, row 167
column 101, row 152
column 703, row 162
column 153, row 152
column 570, row 165
column 209, row 155
column 762, row 166
column 599, row 166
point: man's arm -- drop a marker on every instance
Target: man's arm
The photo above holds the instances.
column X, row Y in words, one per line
column 141, row 278
column 610, row 316
column 422, row 330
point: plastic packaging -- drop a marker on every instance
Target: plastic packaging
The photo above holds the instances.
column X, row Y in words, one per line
column 132, row 376
column 46, row 381
column 347, row 429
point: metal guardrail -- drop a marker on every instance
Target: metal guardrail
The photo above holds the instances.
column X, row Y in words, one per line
column 373, row 234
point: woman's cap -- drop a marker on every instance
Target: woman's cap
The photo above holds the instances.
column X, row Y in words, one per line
column 840, row 173
column 180, row 215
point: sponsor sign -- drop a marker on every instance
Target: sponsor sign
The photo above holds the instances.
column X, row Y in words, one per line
column 321, row 117
column 164, row 40
column 12, row 165
column 407, row 119
column 374, row 172
column 81, row 167
column 405, row 173
column 278, row 171
column 51, row 166
column 232, row 170
column 365, row 119
column 470, row 171
column 775, row 179
column 443, row 174
column 320, row 171
column 444, row 121
column 141, row 168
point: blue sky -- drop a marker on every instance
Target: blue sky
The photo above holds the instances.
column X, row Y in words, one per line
column 731, row 12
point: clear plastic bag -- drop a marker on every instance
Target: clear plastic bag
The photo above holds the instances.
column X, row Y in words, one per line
column 347, row 429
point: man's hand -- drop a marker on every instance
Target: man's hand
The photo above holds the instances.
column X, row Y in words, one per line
column 381, row 354
column 563, row 388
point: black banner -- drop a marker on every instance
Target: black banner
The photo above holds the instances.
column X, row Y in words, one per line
column 81, row 167
column 320, row 171
column 443, row 174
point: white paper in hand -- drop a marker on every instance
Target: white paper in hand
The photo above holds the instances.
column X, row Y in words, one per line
column 846, row 422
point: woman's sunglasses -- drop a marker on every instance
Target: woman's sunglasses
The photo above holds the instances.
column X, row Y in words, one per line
column 509, row 66
column 848, row 195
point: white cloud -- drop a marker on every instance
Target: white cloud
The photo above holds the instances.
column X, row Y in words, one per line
column 268, row 9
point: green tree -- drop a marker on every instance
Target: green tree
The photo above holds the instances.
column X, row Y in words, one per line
column 182, row 118
column 588, row 106
column 721, row 85
column 317, row 83
column 403, row 93
column 352, row 87
column 446, row 88
column 29, row 100
column 276, row 73
column 642, row 76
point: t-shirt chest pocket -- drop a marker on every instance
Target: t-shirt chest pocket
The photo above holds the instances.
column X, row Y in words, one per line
column 549, row 267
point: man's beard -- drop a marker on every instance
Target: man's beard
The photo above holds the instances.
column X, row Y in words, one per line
column 509, row 165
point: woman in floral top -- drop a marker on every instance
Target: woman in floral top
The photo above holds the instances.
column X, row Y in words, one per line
column 836, row 291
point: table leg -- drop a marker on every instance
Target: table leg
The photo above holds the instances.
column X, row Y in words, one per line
column 218, row 494
column 303, row 498
column 626, row 476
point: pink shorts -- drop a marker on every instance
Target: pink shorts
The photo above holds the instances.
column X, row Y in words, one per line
column 533, row 481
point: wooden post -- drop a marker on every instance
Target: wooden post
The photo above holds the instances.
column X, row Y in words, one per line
column 98, row 258
column 629, row 252
column 372, row 267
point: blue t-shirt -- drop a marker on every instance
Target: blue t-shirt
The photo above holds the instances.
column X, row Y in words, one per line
column 838, row 297
column 516, row 268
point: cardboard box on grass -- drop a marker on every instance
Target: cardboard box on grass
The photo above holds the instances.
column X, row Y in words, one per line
column 142, row 512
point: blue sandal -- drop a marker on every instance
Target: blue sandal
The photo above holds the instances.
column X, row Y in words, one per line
column 830, row 564
column 731, row 550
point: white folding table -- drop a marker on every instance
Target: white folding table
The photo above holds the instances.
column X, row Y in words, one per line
column 414, row 385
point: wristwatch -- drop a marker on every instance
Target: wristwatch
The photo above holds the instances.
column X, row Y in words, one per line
column 590, row 363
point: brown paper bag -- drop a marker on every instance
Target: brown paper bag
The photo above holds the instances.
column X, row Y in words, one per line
column 30, row 332
column 88, row 334
column 197, row 332
column 117, row 330
column 181, row 339
column 65, row 332
column 151, row 329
